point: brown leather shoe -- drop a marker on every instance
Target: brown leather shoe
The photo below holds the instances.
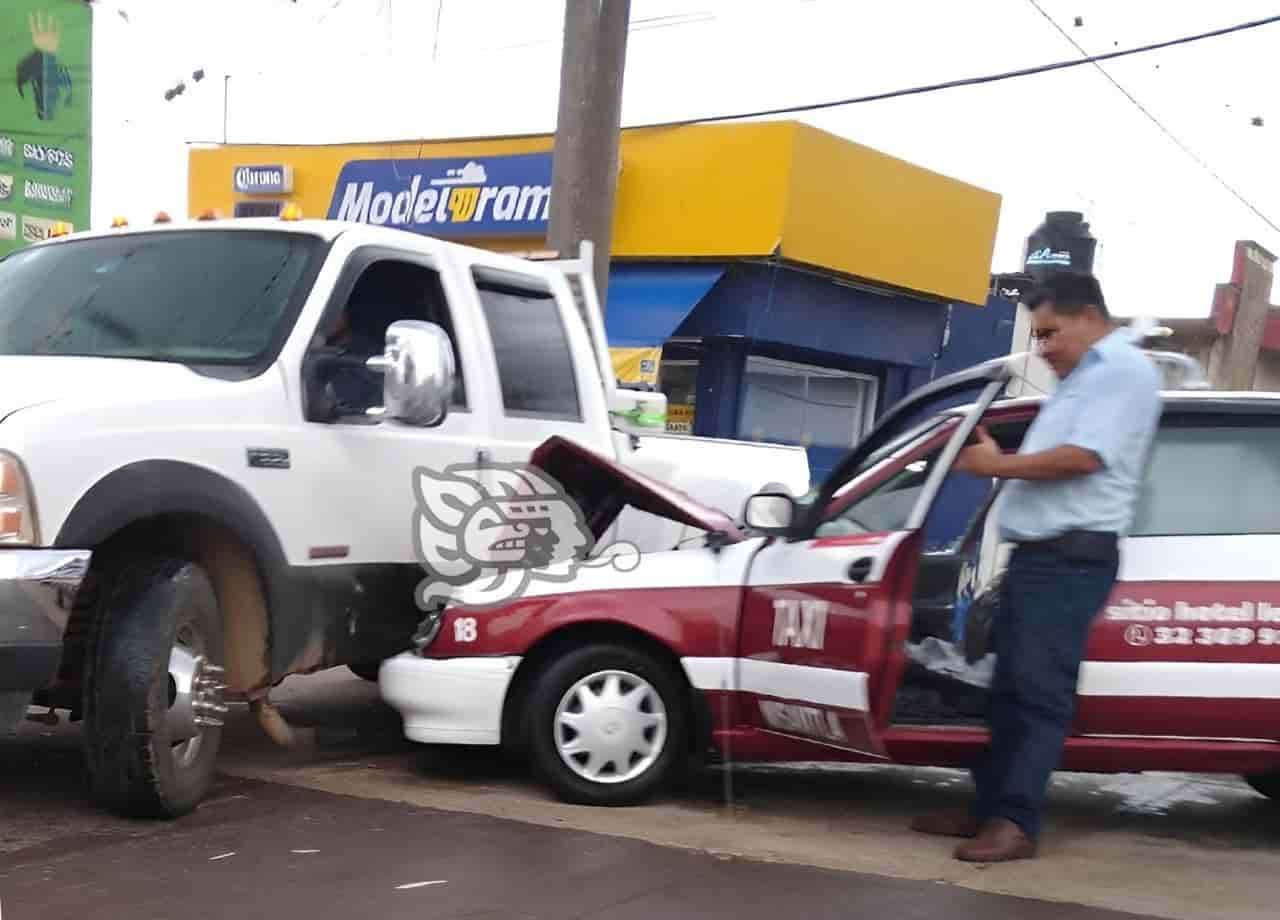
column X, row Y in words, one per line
column 950, row 822
column 1000, row 840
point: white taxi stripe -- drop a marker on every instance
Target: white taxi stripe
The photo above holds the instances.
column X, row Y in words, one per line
column 1189, row 679
column 848, row 689
column 804, row 683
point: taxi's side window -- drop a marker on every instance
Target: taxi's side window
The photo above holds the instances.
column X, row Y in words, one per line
column 886, row 506
column 1187, row 490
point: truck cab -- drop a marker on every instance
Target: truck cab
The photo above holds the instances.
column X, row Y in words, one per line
column 218, row 425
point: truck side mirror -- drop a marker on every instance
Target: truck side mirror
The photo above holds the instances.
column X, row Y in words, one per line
column 418, row 373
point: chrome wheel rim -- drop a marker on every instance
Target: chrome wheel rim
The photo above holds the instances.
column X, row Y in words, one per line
column 610, row 727
column 195, row 696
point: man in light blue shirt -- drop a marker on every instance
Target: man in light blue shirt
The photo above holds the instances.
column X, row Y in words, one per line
column 1104, row 412
column 1074, row 484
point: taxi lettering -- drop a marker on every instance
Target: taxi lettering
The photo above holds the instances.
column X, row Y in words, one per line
column 800, row 623
column 802, row 720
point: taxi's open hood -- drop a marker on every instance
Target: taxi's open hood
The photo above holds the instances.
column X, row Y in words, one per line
column 602, row 488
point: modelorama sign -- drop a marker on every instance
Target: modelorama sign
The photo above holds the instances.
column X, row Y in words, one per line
column 467, row 196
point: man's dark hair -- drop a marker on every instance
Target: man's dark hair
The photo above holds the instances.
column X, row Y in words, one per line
column 1069, row 293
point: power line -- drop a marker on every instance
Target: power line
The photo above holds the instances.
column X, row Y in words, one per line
column 1155, row 121
column 968, row 81
column 325, row 15
column 935, row 87
column 435, row 41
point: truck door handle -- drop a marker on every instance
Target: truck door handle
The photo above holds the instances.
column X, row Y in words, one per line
column 859, row 569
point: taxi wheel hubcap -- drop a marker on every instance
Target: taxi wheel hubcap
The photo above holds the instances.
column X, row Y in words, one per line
column 610, row 726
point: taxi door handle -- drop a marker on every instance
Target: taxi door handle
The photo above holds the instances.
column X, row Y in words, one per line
column 859, row 569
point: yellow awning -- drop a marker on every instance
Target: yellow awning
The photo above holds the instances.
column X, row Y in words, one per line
column 636, row 365
column 710, row 192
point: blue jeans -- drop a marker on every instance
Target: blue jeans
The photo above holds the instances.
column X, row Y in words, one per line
column 1047, row 605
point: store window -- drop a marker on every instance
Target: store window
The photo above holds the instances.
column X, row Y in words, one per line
column 679, row 381
column 259, row 208
column 783, row 401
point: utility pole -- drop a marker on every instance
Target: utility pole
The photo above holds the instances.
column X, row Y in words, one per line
column 1251, row 279
column 584, row 174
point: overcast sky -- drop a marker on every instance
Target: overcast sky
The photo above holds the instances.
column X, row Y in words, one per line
column 359, row 70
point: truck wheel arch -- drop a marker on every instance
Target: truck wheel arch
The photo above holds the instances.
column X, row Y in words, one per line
column 216, row 521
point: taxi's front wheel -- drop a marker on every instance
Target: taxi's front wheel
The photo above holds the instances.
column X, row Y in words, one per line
column 608, row 725
column 1267, row 783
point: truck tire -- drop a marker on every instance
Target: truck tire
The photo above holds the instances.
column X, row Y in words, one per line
column 607, row 725
column 1266, row 783
column 153, row 691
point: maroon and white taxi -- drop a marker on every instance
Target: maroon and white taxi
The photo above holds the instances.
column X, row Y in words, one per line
column 826, row 629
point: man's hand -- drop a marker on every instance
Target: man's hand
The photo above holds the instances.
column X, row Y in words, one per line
column 981, row 459
column 987, row 459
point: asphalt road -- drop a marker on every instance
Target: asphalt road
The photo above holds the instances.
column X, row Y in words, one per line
column 345, row 825
column 273, row 850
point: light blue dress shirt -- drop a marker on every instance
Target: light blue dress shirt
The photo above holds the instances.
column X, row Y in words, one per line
column 1109, row 404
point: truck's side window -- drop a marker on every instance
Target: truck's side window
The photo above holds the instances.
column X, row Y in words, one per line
column 535, row 365
column 1206, row 479
column 387, row 290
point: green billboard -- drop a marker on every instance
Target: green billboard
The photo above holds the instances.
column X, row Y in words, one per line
column 45, row 118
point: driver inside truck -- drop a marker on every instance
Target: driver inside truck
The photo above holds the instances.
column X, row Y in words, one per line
column 387, row 291
column 353, row 386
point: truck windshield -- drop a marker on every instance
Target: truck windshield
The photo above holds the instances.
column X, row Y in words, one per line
column 198, row 297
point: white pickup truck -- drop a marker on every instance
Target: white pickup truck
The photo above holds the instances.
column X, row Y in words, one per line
column 208, row 439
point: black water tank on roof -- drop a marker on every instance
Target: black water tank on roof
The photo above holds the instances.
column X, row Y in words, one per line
column 1062, row 241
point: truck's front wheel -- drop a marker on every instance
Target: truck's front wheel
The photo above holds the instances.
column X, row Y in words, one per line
column 154, row 690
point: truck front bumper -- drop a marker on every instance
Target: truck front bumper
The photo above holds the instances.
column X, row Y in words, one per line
column 37, row 590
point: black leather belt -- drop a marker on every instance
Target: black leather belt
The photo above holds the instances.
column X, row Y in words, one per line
column 1084, row 545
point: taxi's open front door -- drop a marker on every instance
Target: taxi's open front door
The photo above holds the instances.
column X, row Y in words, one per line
column 827, row 598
